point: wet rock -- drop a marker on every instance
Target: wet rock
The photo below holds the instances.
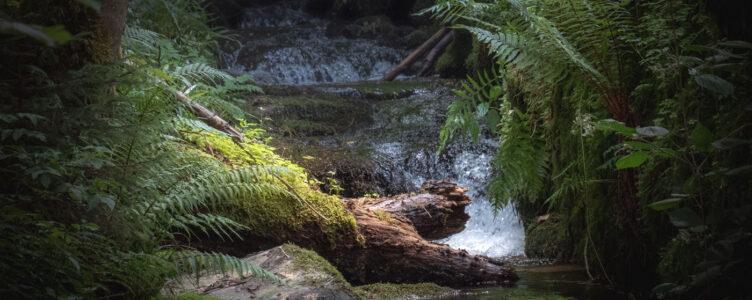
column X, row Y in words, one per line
column 390, row 250
column 307, row 276
column 402, row 291
column 547, row 238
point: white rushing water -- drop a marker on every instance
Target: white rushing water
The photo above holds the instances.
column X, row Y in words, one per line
column 496, row 235
column 282, row 45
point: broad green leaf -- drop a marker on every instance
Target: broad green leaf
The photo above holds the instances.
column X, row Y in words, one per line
column 474, row 130
column 652, row 131
column 481, row 110
column 613, row 125
column 493, row 119
column 495, row 92
column 684, row 218
column 462, row 94
column 632, row 160
column 57, row 33
column 702, row 138
column 715, row 84
column 665, row 204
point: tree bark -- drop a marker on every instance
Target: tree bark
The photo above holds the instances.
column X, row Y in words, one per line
column 113, row 14
column 433, row 55
column 210, row 118
column 387, row 247
column 407, row 62
column 394, row 252
column 437, row 213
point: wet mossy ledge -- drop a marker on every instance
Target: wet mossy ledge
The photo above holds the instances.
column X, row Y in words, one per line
column 278, row 214
column 309, row 129
column 547, row 237
column 402, row 291
column 306, row 275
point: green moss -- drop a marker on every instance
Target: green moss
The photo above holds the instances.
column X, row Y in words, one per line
column 391, row 89
column 312, row 113
column 351, row 165
column 309, row 261
column 451, row 63
column 388, row 290
column 548, row 239
column 279, row 216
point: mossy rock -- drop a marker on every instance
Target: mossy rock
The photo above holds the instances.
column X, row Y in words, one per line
column 451, row 63
column 306, row 275
column 273, row 212
column 402, row 291
column 548, row 239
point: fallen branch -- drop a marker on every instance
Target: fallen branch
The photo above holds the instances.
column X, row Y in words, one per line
column 210, row 118
column 433, row 55
column 407, row 62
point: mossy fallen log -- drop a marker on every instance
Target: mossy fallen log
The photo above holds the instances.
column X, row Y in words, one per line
column 436, row 213
column 392, row 251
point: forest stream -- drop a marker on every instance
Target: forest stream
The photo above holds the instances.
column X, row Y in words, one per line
column 375, row 149
column 289, row 52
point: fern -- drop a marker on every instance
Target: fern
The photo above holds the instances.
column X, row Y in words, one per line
column 194, row 262
column 521, row 161
column 200, row 72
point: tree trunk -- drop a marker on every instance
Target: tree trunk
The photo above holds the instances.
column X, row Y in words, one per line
column 437, row 213
column 407, row 62
column 387, row 247
column 394, row 252
column 113, row 14
column 628, row 201
column 433, row 55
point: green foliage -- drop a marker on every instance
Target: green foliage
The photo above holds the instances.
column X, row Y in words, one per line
column 401, row 291
column 106, row 190
column 659, row 75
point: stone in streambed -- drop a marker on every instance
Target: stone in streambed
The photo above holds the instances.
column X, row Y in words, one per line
column 307, row 275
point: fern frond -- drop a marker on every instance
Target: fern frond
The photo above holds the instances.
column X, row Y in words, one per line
column 200, row 72
column 140, row 36
column 196, row 262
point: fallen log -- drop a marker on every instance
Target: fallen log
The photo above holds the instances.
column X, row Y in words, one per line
column 433, row 55
column 436, row 213
column 385, row 247
column 394, row 252
column 210, row 118
column 407, row 62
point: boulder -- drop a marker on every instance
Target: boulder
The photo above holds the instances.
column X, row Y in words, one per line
column 307, row 276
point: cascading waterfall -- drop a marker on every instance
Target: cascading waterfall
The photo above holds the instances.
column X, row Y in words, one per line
column 282, row 45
